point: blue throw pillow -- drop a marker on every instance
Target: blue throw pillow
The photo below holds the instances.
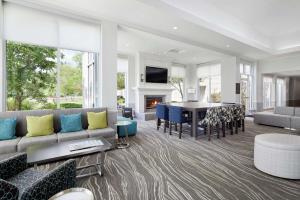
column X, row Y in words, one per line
column 8, row 128
column 70, row 123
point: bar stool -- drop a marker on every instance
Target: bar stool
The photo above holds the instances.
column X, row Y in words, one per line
column 162, row 113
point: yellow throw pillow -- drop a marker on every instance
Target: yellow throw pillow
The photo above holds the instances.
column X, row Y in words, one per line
column 96, row 120
column 39, row 126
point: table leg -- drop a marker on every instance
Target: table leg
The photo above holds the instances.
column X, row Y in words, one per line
column 195, row 123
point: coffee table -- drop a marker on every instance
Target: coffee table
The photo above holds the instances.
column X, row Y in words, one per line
column 41, row 154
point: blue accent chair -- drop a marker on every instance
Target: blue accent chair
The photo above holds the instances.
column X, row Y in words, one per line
column 177, row 115
column 132, row 128
column 162, row 113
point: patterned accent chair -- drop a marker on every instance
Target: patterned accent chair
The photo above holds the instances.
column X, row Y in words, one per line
column 18, row 182
column 177, row 115
column 127, row 112
column 239, row 117
column 212, row 121
column 227, row 118
column 162, row 113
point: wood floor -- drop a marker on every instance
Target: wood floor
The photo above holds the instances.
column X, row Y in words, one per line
column 158, row 166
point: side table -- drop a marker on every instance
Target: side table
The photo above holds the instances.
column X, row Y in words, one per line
column 123, row 143
column 74, row 194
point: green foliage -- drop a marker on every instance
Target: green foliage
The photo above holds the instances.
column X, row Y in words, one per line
column 71, row 83
column 49, row 105
column 121, row 81
column 121, row 100
column 30, row 73
column 71, row 105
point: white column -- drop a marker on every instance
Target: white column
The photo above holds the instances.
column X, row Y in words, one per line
column 191, row 82
column 2, row 63
column 108, row 65
column 230, row 75
column 130, row 81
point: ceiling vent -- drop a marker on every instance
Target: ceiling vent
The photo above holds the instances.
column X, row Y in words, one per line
column 176, row 51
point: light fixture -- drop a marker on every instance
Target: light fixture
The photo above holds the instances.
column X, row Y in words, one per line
column 175, row 27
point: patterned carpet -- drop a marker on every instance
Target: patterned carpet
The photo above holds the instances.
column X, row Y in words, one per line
column 158, row 166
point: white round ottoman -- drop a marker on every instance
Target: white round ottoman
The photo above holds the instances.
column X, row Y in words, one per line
column 278, row 155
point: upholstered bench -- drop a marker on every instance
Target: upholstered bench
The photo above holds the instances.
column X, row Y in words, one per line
column 278, row 155
column 132, row 128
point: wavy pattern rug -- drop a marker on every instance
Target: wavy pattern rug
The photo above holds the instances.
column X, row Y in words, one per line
column 158, row 166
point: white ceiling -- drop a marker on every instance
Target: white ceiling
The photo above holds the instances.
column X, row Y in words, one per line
column 253, row 29
column 273, row 23
column 131, row 41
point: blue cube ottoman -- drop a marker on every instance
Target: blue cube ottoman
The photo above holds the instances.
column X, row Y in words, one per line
column 132, row 128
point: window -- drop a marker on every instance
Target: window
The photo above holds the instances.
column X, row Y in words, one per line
column 267, row 92
column 177, row 82
column 210, row 83
column 43, row 77
column 121, row 81
column 280, row 92
column 42, row 70
column 247, row 86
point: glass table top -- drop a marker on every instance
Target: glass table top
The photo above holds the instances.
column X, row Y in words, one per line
column 123, row 123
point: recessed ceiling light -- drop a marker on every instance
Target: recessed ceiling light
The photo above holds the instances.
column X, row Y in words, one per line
column 175, row 27
column 227, row 45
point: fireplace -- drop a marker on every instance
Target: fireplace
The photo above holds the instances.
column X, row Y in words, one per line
column 151, row 101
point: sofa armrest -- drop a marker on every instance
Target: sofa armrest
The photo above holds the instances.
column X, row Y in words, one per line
column 61, row 178
column 13, row 165
column 8, row 191
column 112, row 118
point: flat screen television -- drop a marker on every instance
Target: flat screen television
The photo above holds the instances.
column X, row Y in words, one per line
column 156, row 75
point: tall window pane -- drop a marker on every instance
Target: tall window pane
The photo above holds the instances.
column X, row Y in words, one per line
column 267, row 92
column 70, row 80
column 31, row 76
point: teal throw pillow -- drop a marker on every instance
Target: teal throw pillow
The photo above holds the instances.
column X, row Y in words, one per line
column 8, row 128
column 70, row 123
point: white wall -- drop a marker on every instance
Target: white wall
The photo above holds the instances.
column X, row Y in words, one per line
column 285, row 63
column 230, row 75
column 108, row 65
column 2, row 63
column 191, row 82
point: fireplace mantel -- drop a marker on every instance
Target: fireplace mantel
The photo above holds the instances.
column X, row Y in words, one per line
column 159, row 88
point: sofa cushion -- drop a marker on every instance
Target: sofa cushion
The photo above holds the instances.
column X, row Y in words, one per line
column 72, row 136
column 9, row 146
column 297, row 112
column 105, row 132
column 70, row 123
column 27, row 141
column 8, row 128
column 39, row 125
column 284, row 110
column 295, row 123
column 271, row 119
column 97, row 120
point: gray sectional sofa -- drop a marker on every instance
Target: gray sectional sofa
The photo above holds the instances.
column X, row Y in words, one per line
column 286, row 117
column 22, row 142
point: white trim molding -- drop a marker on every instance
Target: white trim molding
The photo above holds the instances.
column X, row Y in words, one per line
column 2, row 63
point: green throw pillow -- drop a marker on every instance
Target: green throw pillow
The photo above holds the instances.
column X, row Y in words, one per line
column 96, row 120
column 39, row 126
